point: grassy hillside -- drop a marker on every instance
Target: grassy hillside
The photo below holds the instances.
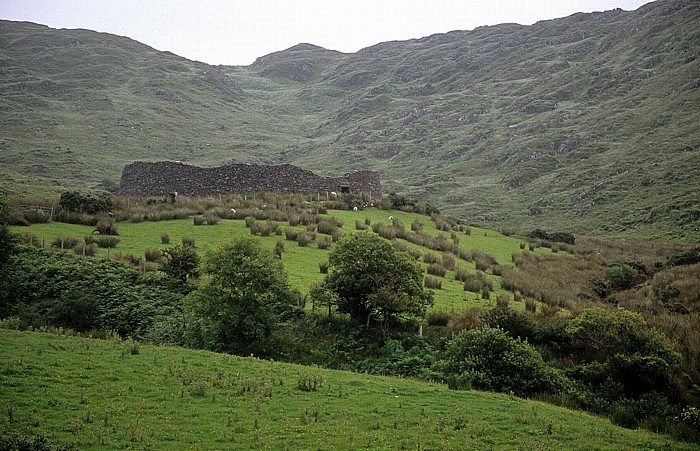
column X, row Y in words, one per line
column 302, row 263
column 586, row 123
column 108, row 394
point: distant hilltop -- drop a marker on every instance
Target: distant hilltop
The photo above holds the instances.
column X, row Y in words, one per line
column 153, row 179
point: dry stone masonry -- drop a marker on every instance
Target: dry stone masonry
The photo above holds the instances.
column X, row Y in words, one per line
column 154, row 179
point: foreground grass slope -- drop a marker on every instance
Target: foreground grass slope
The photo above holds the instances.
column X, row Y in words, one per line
column 585, row 123
column 109, row 394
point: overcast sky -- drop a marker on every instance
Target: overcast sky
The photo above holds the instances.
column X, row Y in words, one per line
column 236, row 32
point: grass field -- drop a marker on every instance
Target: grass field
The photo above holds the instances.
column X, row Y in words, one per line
column 301, row 263
column 114, row 394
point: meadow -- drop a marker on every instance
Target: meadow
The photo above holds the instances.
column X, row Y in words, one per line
column 86, row 393
column 302, row 263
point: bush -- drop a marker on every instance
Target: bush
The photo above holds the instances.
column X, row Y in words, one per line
column 304, row 238
column 432, row 282
column 64, row 242
column 492, row 360
column 188, row 241
column 86, row 250
column 323, row 267
column 153, row 255
column 476, row 282
column 164, row 238
column 325, row 242
column 31, row 239
column 448, row 261
column 198, row 220
column 439, row 319
column 279, row 248
column 437, row 269
column 624, row 417
column 212, row 219
column 106, row 241
column 429, row 257
column 461, row 274
column 291, row 234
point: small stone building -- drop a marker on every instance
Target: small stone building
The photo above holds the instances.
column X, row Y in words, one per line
column 154, row 179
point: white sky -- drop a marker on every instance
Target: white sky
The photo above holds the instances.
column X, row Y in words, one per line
column 237, row 32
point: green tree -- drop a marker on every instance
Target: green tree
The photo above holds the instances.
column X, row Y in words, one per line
column 489, row 359
column 241, row 299
column 619, row 349
column 180, row 262
column 371, row 279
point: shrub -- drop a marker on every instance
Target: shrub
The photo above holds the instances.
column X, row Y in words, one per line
column 198, row 220
column 417, row 225
column 530, row 304
column 106, row 227
column 188, row 241
column 164, row 238
column 337, row 235
column 437, row 269
column 624, row 417
column 448, row 261
column 360, row 225
column 476, row 282
column 440, row 319
column 153, row 255
column 325, row 242
column 323, row 267
column 461, row 274
column 212, row 219
column 31, row 239
column 279, row 248
column 492, row 360
column 106, row 241
column 326, row 227
column 429, row 257
column 291, row 234
column 64, row 242
column 86, row 250
column 432, row 282
column 304, row 239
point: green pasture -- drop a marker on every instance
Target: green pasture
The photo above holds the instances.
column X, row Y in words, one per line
column 114, row 394
column 301, row 263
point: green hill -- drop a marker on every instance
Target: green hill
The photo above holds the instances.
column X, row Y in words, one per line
column 109, row 394
column 586, row 124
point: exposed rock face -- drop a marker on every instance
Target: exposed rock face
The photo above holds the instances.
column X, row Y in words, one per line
column 154, row 179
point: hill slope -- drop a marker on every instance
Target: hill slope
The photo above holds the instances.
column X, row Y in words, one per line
column 586, row 123
column 109, row 394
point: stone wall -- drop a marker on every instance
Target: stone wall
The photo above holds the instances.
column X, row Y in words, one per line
column 153, row 179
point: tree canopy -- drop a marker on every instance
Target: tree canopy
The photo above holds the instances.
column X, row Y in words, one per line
column 241, row 298
column 371, row 279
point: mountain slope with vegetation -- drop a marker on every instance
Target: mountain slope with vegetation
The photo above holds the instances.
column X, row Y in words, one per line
column 585, row 123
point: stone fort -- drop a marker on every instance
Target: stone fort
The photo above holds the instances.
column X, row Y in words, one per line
column 154, row 179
